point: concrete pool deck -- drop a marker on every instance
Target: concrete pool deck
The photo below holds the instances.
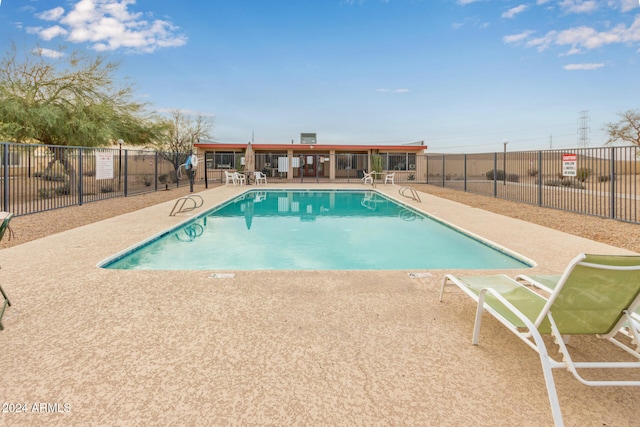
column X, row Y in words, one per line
column 113, row 347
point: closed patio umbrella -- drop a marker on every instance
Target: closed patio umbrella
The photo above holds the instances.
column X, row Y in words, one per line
column 249, row 159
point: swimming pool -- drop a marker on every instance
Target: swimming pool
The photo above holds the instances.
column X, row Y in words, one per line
column 314, row 230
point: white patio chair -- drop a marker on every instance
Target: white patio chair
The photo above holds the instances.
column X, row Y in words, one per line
column 239, row 178
column 389, row 178
column 228, row 176
column 260, row 177
column 367, row 178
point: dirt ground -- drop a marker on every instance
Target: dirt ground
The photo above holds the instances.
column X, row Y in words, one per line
column 615, row 233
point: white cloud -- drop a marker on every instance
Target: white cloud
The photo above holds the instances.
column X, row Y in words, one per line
column 514, row 11
column 402, row 90
column 623, row 5
column 592, row 66
column 49, row 53
column 109, row 25
column 52, row 32
column 582, row 38
column 465, row 2
column 579, row 6
column 517, row 38
column 52, row 14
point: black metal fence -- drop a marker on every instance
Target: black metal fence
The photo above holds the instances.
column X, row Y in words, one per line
column 35, row 178
column 595, row 181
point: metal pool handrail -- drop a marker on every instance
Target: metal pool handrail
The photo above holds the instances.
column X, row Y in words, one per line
column 180, row 207
column 413, row 193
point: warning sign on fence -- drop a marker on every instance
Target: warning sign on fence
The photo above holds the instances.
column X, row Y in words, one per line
column 104, row 165
column 569, row 164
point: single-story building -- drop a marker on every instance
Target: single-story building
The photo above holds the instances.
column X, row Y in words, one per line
column 320, row 161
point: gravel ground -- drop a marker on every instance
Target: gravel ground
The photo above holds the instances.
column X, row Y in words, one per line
column 615, row 233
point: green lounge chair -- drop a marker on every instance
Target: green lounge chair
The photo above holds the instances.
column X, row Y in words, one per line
column 5, row 217
column 594, row 296
column 548, row 282
column 4, row 226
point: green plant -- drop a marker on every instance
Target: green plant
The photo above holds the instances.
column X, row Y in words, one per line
column 411, row 177
column 582, row 174
column 376, row 165
column 604, row 178
column 239, row 164
column 63, row 190
column 44, row 193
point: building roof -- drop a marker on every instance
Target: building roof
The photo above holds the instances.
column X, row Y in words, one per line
column 412, row 147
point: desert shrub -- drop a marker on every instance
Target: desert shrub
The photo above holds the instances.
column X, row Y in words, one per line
column 603, row 178
column 411, row 177
column 532, row 172
column 63, row 190
column 495, row 174
column 513, row 177
column 55, row 172
column 106, row 189
column 575, row 184
column 582, row 174
column 564, row 183
column 163, row 179
column 45, row 193
column 90, row 172
column 147, row 180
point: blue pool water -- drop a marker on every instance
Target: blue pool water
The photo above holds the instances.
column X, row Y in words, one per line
column 313, row 230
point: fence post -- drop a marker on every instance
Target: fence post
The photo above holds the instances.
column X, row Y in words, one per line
column 126, row 171
column 612, row 185
column 465, row 172
column 156, row 170
column 427, row 173
column 443, row 165
column 495, row 174
column 539, row 178
column 5, row 177
column 206, row 172
column 80, row 175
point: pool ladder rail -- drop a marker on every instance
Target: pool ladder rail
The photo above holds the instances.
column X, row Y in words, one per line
column 413, row 194
column 194, row 201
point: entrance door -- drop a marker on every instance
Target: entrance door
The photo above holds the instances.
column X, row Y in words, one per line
column 310, row 165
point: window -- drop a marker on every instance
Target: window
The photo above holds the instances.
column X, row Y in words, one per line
column 220, row 160
column 401, row 161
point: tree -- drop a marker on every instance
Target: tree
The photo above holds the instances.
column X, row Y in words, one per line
column 181, row 131
column 627, row 129
column 71, row 100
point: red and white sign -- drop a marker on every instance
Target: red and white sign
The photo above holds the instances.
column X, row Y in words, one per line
column 569, row 164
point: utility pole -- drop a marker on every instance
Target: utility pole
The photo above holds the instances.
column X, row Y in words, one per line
column 550, row 142
column 583, row 129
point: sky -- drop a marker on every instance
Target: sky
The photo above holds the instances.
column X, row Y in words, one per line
column 461, row 75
